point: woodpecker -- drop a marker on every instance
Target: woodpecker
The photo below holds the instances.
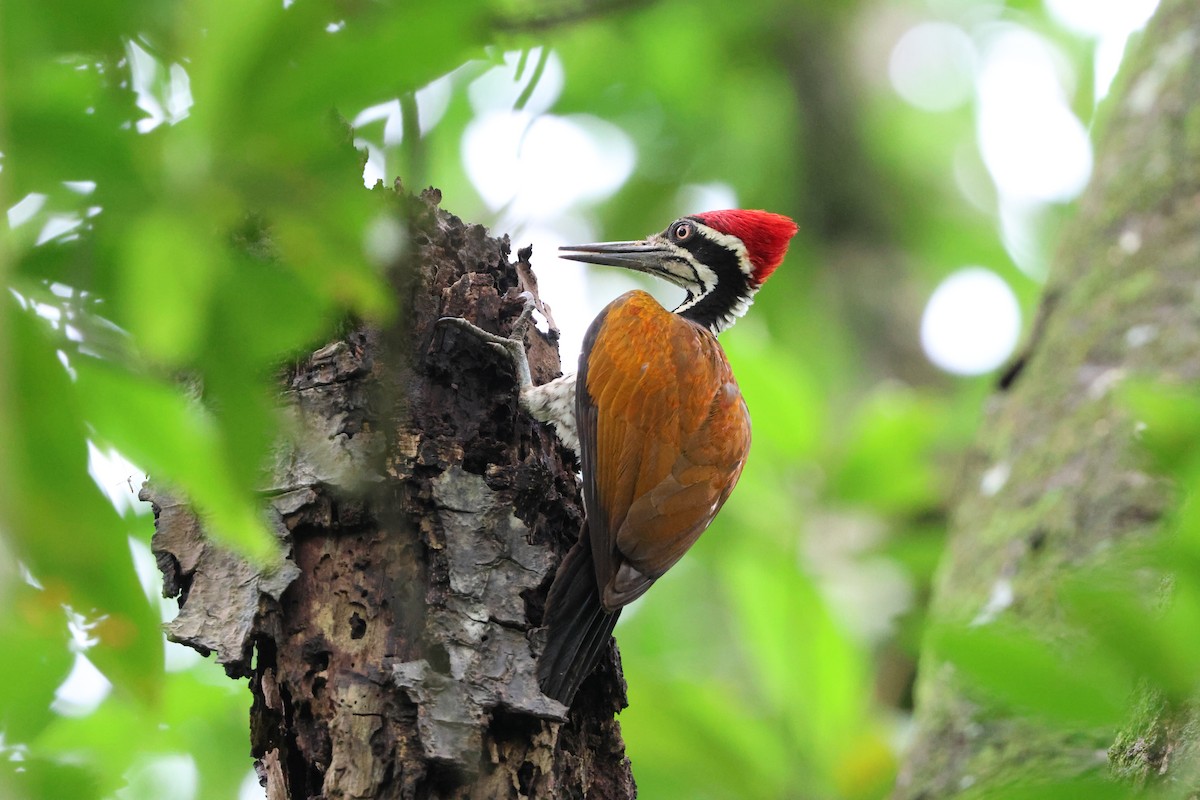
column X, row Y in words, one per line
column 655, row 415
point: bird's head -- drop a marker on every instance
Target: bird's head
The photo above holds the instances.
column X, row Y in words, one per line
column 720, row 258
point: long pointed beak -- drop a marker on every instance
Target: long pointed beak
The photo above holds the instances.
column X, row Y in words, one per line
column 643, row 256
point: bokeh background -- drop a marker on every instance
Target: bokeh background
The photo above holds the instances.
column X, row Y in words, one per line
column 929, row 150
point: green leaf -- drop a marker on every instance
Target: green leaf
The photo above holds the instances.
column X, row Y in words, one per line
column 687, row 743
column 263, row 314
column 67, row 123
column 1170, row 418
column 203, row 714
column 109, row 739
column 43, row 779
column 1154, row 643
column 30, row 34
column 36, row 659
column 173, row 438
column 61, row 526
column 1060, row 683
column 787, row 406
column 207, row 714
column 1093, row 787
column 169, row 270
column 798, row 656
column 887, row 464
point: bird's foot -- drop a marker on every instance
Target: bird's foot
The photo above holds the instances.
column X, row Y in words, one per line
column 513, row 345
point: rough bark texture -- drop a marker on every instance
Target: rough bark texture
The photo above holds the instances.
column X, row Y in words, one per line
column 1056, row 479
column 392, row 654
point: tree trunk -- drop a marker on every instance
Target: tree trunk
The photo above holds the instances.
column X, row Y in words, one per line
column 1056, row 479
column 423, row 514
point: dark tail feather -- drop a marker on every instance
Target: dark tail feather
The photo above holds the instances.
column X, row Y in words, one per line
column 578, row 627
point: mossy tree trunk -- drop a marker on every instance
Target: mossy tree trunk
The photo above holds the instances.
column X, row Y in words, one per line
column 423, row 514
column 1056, row 479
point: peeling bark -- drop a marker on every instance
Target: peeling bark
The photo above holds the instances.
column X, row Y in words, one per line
column 423, row 515
column 1056, row 479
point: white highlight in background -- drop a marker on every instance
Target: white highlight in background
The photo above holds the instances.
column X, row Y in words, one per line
column 250, row 789
column 539, row 166
column 83, row 690
column 1110, row 22
column 432, row 101
column 163, row 92
column 1024, row 228
column 119, row 478
column 562, row 284
column 25, row 210
column 932, row 66
column 971, row 323
column 499, row 88
column 1098, row 17
column 1035, row 148
column 172, row 776
column 694, row 198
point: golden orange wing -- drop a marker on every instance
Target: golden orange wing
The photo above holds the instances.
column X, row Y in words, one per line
column 663, row 432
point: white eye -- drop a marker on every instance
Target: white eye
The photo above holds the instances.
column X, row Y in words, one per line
column 682, row 231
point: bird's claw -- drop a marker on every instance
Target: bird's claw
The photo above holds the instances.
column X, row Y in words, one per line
column 518, row 327
column 474, row 329
column 508, row 347
column 512, row 346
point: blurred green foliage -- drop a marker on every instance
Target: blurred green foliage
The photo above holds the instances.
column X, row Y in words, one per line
column 146, row 147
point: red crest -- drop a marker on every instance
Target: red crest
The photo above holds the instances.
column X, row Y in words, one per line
column 764, row 234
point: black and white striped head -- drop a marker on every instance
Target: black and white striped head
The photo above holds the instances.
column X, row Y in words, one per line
column 720, row 258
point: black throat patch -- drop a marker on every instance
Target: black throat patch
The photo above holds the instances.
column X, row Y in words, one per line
column 715, row 309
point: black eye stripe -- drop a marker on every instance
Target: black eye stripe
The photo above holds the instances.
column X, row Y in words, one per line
column 719, row 258
column 731, row 285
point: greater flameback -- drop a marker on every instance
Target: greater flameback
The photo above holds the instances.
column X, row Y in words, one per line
column 657, row 419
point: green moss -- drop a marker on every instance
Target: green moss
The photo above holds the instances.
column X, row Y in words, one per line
column 1140, row 748
column 1191, row 133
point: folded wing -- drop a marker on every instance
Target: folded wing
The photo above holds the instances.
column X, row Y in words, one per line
column 664, row 433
